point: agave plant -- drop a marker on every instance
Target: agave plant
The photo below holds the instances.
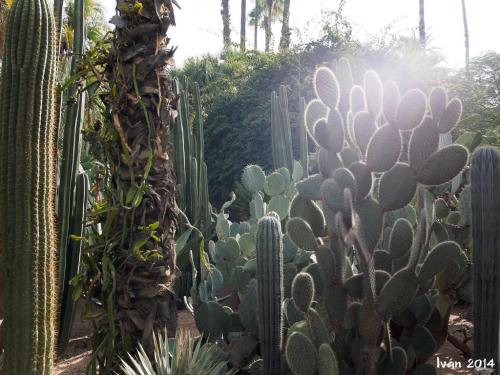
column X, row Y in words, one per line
column 181, row 359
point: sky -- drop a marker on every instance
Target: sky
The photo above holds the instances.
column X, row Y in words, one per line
column 199, row 24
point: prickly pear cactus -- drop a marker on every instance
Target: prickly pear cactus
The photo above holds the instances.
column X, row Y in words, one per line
column 27, row 171
column 380, row 259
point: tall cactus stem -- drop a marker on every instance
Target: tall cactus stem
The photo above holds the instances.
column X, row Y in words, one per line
column 485, row 202
column 270, row 292
column 27, row 172
column 304, row 149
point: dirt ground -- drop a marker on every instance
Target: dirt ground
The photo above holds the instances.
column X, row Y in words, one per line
column 78, row 353
column 75, row 360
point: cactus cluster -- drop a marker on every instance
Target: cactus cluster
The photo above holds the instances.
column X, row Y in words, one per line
column 27, row 192
column 372, row 243
column 192, row 181
column 189, row 160
column 374, row 251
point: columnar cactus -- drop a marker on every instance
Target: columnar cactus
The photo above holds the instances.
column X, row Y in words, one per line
column 270, row 291
column 485, row 202
column 71, row 198
column 281, row 138
column 27, row 172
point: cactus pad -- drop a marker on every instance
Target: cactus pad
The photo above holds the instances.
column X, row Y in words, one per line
column 333, row 195
column 329, row 133
column 411, row 110
column 401, row 238
column 391, row 101
column 441, row 208
column 310, row 212
column 327, row 361
column 454, row 157
column 357, row 99
column 301, row 234
column 451, row 116
column 275, row 184
column 310, row 187
column 303, row 291
column 369, row 220
column 438, row 99
column 317, row 327
column 315, row 111
column 383, row 149
column 363, row 127
column 437, row 260
column 397, row 187
column 349, row 156
column 364, row 180
column 326, row 87
column 397, row 293
column 212, row 320
column 301, row 354
column 424, row 142
column 374, row 92
column 280, row 205
column 253, row 178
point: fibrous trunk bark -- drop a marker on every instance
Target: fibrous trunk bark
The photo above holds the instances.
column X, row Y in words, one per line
column 285, row 28
column 140, row 251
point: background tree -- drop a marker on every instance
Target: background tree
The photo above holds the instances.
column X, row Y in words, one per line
column 466, row 39
column 226, row 24
column 258, row 17
column 285, row 28
column 268, row 22
column 243, row 25
column 421, row 23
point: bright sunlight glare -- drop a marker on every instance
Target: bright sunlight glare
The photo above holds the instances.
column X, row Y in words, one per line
column 199, row 26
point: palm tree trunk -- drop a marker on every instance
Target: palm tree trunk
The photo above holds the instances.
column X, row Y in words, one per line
column 466, row 40
column 139, row 257
column 226, row 24
column 255, row 30
column 243, row 26
column 421, row 24
column 268, row 23
column 285, row 28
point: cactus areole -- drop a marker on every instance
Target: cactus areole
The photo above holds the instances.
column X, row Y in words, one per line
column 27, row 172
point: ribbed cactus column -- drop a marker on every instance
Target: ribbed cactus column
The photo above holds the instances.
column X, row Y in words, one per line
column 485, row 201
column 27, row 175
column 270, row 291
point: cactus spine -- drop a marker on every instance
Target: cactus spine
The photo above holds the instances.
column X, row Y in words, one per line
column 270, row 291
column 485, row 202
column 27, row 172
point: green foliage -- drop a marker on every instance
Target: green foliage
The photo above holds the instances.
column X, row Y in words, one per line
column 479, row 95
